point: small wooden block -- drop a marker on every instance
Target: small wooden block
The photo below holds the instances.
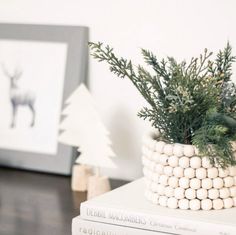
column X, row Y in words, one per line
column 212, row 172
column 178, row 171
column 163, row 179
column 168, row 170
column 201, row 173
column 228, row 203
column 206, row 162
column 98, row 185
column 163, row 159
column 190, row 193
column 189, row 150
column 179, row 193
column 189, row 172
column 163, row 200
column 173, row 182
column 206, row 204
column 160, row 189
column 168, row 149
column 218, row 183
column 184, row 162
column 159, row 168
column 207, row 183
column 195, row 204
column 183, row 204
column 218, row 204
column 195, row 162
column 178, row 150
column 172, row 203
column 160, row 146
column 184, row 182
column 202, row 193
column 223, row 172
column 232, row 191
column 195, row 183
column 173, row 161
column 169, row 191
column 213, row 193
column 224, row 193
column 79, row 179
column 228, row 181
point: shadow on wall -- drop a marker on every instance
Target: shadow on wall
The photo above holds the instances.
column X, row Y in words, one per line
column 126, row 147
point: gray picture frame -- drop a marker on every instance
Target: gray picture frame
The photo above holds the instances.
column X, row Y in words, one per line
column 76, row 38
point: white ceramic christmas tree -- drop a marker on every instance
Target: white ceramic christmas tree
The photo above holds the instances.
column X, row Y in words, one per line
column 83, row 128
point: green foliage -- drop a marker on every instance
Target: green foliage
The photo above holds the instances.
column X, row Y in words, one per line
column 214, row 138
column 190, row 103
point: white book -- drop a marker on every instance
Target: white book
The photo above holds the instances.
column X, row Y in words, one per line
column 86, row 227
column 127, row 206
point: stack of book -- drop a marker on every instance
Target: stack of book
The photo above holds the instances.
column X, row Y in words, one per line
column 125, row 211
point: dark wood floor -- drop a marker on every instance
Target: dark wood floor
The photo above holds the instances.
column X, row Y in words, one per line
column 37, row 204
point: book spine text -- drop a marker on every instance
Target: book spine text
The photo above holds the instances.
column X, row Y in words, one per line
column 84, row 227
column 152, row 222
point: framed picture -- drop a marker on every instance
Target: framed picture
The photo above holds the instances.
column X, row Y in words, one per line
column 40, row 66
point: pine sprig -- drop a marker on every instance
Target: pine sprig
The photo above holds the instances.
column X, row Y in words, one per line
column 214, row 138
column 181, row 96
column 224, row 62
column 122, row 68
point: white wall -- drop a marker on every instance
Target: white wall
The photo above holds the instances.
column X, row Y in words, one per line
column 181, row 28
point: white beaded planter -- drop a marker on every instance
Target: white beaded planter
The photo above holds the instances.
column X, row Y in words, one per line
column 176, row 177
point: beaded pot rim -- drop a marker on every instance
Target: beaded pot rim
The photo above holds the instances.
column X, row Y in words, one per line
column 154, row 142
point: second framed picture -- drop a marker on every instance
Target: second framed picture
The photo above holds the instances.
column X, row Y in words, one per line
column 39, row 67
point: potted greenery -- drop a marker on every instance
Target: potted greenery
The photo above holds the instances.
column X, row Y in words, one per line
column 189, row 158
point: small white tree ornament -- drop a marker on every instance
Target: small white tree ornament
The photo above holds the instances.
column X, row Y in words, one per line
column 83, row 128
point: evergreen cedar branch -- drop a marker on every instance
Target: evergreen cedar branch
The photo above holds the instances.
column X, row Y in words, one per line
column 190, row 103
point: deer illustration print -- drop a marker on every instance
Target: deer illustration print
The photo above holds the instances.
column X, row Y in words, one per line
column 19, row 96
